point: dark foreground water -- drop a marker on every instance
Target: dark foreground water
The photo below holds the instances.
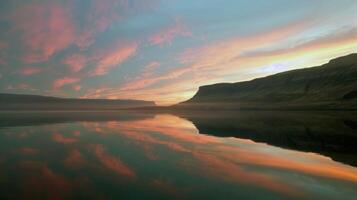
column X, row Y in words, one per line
column 97, row 155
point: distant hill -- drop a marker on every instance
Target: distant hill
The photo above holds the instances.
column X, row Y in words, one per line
column 36, row 102
column 330, row 86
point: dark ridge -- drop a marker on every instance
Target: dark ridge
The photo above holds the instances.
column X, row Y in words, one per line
column 330, row 86
column 350, row 95
column 351, row 124
column 36, row 102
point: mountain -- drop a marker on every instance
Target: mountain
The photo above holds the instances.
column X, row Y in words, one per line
column 36, row 102
column 330, row 86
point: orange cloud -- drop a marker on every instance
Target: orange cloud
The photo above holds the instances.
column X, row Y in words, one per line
column 229, row 171
column 57, row 84
column 317, row 165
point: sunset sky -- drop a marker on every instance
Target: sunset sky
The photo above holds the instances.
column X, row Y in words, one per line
column 163, row 50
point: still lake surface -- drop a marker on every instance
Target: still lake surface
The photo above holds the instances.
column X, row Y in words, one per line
column 130, row 155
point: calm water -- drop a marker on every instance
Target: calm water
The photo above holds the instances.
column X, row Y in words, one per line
column 93, row 155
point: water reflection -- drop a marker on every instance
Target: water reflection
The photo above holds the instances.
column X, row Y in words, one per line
column 137, row 156
column 329, row 133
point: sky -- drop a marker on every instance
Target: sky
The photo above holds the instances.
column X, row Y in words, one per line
column 163, row 50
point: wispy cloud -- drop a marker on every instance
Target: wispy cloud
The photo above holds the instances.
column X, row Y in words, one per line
column 211, row 63
column 28, row 71
column 75, row 62
column 59, row 83
column 115, row 57
column 113, row 163
column 166, row 49
column 46, row 29
column 77, row 87
column 167, row 34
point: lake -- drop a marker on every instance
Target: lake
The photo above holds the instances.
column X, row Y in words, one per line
column 200, row 155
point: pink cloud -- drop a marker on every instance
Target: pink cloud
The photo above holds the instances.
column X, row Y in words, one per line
column 63, row 140
column 76, row 133
column 46, row 29
column 75, row 62
column 57, row 84
column 169, row 33
column 28, row 71
column 75, row 160
column 41, row 182
column 104, row 13
column 28, row 151
column 113, row 58
column 95, row 92
column 77, row 87
column 146, row 82
column 149, row 69
column 113, row 163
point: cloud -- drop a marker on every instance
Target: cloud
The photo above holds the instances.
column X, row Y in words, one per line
column 59, row 83
column 113, row 163
column 113, row 58
column 167, row 34
column 39, row 181
column 28, row 71
column 28, row 151
column 238, row 59
column 50, row 27
column 102, row 14
column 77, row 87
column 340, row 38
column 147, row 82
column 46, row 29
column 57, row 137
column 200, row 66
column 75, row 62
column 98, row 18
column 150, row 68
column 75, row 159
